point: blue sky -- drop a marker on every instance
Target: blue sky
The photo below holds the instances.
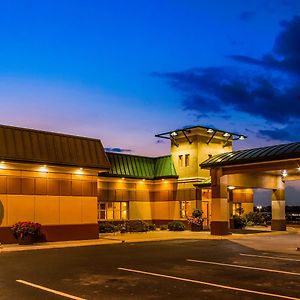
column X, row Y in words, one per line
column 123, row 71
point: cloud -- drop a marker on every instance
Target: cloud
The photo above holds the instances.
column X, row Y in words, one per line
column 291, row 132
column 285, row 53
column 257, row 87
column 118, row 150
column 218, row 90
column 246, row 16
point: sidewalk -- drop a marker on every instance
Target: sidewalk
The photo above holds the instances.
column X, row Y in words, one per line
column 150, row 236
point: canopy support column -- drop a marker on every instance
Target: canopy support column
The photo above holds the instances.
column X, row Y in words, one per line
column 219, row 204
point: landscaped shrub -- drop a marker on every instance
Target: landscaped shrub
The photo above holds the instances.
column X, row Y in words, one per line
column 26, row 231
column 163, row 227
column 176, row 226
column 255, row 218
column 239, row 222
column 136, row 226
column 151, row 226
column 107, row 228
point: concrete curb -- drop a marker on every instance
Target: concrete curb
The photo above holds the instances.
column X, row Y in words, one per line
column 117, row 238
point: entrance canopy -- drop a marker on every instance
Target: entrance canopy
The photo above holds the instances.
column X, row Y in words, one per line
column 265, row 167
column 283, row 160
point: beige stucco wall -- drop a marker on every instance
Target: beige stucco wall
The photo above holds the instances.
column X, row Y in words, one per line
column 47, row 198
column 48, row 210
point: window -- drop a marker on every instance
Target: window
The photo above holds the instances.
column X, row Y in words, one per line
column 112, row 210
column 187, row 160
column 184, row 209
column 180, row 161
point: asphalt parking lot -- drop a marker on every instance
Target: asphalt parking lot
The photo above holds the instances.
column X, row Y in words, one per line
column 180, row 269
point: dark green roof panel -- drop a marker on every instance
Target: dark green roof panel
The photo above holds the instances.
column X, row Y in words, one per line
column 133, row 166
column 263, row 154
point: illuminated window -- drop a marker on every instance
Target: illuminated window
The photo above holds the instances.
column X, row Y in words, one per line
column 184, row 209
column 112, row 210
column 180, row 161
column 187, row 160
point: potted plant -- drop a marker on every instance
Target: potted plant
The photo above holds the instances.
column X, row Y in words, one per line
column 26, row 232
column 196, row 220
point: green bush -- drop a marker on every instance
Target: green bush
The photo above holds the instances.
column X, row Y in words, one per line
column 163, row 227
column 107, row 228
column 176, row 226
column 151, row 226
column 239, row 222
column 255, row 218
column 136, row 226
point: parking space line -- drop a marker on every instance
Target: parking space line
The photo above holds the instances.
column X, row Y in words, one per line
column 243, row 267
column 270, row 257
column 49, row 290
column 227, row 287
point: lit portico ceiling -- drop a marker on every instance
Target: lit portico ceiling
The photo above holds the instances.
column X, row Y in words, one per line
column 210, row 132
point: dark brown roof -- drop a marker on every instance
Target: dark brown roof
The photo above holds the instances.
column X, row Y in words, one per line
column 34, row 146
column 263, row 154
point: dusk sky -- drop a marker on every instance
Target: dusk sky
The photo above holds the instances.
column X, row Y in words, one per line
column 123, row 71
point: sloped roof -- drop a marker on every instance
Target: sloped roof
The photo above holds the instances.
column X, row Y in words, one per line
column 263, row 154
column 134, row 166
column 34, row 146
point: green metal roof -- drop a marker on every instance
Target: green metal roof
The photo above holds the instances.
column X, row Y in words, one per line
column 133, row 166
column 263, row 154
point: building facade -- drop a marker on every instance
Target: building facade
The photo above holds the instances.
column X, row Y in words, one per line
column 69, row 184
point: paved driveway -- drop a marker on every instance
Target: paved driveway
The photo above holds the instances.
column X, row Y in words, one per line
column 180, row 269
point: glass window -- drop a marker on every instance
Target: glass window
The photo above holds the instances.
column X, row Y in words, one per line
column 184, row 209
column 180, row 161
column 187, row 160
column 112, row 210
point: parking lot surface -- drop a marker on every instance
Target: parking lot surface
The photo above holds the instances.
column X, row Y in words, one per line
column 179, row 269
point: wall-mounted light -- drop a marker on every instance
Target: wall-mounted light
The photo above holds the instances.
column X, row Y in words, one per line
column 79, row 171
column 174, row 133
column 231, row 187
column 298, row 168
column 43, row 169
column 2, row 165
column 284, row 173
column 226, row 134
column 209, row 130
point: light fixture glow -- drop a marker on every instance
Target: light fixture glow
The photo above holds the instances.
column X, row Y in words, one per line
column 231, row 187
column 209, row 130
column 43, row 169
column 284, row 173
column 226, row 134
column 2, row 165
column 79, row 171
column 298, row 168
column 241, row 137
column 174, row 133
